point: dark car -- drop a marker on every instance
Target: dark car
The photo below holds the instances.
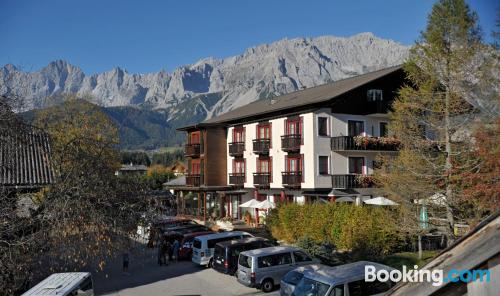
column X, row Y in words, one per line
column 226, row 253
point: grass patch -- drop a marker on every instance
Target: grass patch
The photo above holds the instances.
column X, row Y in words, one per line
column 409, row 259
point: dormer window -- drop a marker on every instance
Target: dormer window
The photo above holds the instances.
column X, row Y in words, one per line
column 374, row 95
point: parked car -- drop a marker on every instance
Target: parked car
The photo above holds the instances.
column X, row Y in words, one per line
column 293, row 277
column 158, row 227
column 348, row 279
column 264, row 268
column 203, row 246
column 183, row 229
column 186, row 249
column 226, row 253
column 64, row 284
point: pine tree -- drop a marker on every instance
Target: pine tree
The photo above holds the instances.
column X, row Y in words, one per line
column 433, row 113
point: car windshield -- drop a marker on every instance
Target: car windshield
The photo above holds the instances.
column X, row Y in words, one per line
column 245, row 261
column 293, row 277
column 308, row 287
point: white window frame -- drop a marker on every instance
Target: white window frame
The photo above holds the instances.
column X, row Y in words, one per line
column 371, row 95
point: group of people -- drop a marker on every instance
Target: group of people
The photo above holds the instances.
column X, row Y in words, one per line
column 167, row 249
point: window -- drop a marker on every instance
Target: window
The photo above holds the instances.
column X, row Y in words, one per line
column 273, row 260
column 238, row 135
column 263, row 165
column 356, row 165
column 383, row 129
column 310, row 287
column 264, row 131
column 239, row 166
column 245, row 261
column 293, row 277
column 301, row 256
column 377, row 287
column 355, row 128
column 337, row 291
column 195, row 167
column 322, row 126
column 195, row 138
column 374, row 95
column 323, row 165
column 356, row 288
column 294, row 163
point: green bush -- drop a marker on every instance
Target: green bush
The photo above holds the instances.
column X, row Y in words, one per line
column 367, row 232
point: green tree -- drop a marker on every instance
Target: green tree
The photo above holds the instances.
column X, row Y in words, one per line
column 448, row 72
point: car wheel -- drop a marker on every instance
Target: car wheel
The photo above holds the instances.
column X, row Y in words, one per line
column 267, row 285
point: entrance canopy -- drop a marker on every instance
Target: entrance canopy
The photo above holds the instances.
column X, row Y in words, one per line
column 380, row 201
column 253, row 203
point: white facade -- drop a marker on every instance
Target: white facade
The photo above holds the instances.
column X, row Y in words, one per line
column 312, row 148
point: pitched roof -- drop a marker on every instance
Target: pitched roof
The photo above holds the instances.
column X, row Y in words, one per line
column 25, row 158
column 313, row 95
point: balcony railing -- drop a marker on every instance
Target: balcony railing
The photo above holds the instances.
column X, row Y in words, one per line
column 193, row 180
column 291, row 179
column 236, row 148
column 291, row 142
column 262, row 179
column 261, row 146
column 192, row 150
column 365, row 143
column 352, row 181
column 237, row 179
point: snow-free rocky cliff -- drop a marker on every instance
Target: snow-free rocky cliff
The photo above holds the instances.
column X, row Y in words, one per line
column 213, row 86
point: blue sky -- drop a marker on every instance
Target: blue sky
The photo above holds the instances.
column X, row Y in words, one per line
column 146, row 36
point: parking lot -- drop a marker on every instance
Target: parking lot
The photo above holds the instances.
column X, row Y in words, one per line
column 146, row 278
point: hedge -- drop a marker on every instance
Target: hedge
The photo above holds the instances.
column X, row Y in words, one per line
column 366, row 231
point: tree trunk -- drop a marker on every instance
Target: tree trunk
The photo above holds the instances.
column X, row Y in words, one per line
column 419, row 247
column 448, row 167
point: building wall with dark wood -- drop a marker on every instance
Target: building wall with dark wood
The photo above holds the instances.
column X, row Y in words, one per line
column 215, row 168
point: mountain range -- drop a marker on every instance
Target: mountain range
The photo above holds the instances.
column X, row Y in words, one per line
column 211, row 86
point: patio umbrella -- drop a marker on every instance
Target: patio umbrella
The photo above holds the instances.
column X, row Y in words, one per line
column 344, row 199
column 381, row 201
column 253, row 203
column 266, row 204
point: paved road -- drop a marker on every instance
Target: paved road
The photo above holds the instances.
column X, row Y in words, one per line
column 146, row 278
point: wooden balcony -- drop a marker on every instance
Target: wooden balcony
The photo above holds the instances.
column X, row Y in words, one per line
column 291, row 179
column 236, row 148
column 346, row 143
column 261, row 146
column 192, row 150
column 237, row 179
column 193, row 180
column 291, row 142
column 262, row 180
column 352, row 181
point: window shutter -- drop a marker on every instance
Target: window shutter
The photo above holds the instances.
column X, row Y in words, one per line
column 234, row 166
column 257, row 161
column 270, row 135
column 287, row 164
column 301, row 130
column 270, row 169
column 245, row 169
column 302, row 166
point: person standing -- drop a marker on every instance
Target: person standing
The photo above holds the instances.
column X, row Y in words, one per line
column 176, row 247
column 160, row 245
column 125, row 259
column 167, row 251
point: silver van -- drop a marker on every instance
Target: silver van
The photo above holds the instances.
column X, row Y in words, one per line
column 203, row 245
column 64, row 284
column 342, row 280
column 264, row 268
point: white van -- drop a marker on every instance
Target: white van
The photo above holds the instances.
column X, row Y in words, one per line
column 64, row 284
column 203, row 246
